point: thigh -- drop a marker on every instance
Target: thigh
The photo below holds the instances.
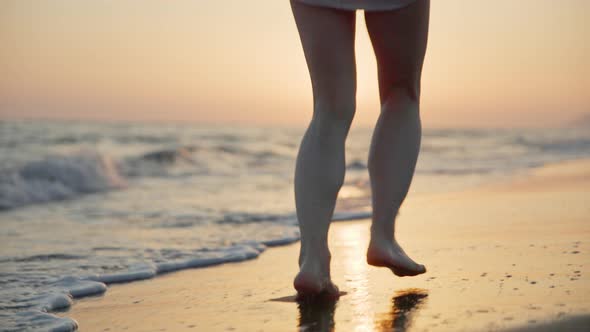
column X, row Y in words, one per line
column 327, row 37
column 399, row 38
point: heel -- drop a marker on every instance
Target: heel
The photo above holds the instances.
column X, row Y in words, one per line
column 306, row 285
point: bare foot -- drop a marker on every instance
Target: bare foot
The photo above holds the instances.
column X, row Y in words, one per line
column 314, row 280
column 390, row 254
column 309, row 286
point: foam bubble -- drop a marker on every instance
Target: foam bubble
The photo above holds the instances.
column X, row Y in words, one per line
column 79, row 288
column 114, row 278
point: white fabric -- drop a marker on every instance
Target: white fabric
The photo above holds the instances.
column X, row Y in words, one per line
column 368, row 5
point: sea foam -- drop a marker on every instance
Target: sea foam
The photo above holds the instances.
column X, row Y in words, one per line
column 60, row 294
column 58, row 177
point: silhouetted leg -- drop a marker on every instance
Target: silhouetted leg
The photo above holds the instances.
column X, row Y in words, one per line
column 327, row 37
column 399, row 39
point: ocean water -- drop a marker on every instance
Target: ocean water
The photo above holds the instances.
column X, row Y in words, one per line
column 84, row 205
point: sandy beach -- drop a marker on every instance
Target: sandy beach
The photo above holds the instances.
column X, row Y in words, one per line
column 502, row 256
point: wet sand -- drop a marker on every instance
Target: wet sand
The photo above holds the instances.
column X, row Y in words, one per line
column 511, row 255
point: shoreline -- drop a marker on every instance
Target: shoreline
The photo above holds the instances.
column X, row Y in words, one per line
column 359, row 280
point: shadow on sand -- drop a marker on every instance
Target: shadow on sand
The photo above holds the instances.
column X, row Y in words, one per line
column 318, row 314
column 406, row 304
column 315, row 313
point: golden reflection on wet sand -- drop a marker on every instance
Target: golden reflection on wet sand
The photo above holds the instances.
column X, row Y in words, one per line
column 356, row 278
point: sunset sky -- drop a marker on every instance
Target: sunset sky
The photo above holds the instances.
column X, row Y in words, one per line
column 489, row 63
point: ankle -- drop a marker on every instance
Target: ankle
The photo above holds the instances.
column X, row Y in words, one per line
column 317, row 258
column 314, row 253
column 380, row 236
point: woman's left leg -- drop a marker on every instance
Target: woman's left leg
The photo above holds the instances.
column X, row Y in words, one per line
column 399, row 38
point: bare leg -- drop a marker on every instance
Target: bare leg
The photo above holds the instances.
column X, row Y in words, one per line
column 327, row 37
column 399, row 39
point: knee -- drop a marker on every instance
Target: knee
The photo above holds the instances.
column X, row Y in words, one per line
column 404, row 89
column 335, row 111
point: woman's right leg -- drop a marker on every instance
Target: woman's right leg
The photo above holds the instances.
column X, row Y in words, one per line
column 327, row 37
column 399, row 39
